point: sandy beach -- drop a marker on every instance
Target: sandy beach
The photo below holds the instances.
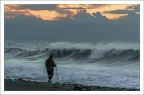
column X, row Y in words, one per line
column 23, row 85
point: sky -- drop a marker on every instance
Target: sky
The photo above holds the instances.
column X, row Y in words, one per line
column 72, row 22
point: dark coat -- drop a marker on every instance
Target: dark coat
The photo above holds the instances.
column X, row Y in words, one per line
column 50, row 64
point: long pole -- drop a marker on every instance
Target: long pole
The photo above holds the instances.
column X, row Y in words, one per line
column 57, row 74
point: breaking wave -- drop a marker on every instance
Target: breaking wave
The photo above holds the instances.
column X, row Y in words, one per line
column 76, row 53
column 101, row 64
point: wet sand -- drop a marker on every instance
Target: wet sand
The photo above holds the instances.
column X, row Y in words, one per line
column 23, row 85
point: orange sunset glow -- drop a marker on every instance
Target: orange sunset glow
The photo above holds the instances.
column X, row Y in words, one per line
column 46, row 14
column 68, row 10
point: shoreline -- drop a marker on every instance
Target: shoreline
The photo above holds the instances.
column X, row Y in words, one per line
column 23, row 85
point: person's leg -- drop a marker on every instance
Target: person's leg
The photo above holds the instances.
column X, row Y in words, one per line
column 47, row 73
column 50, row 75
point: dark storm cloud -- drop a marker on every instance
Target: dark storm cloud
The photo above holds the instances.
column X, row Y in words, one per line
column 92, row 6
column 82, row 28
column 53, row 6
column 83, row 8
column 120, row 11
column 129, row 10
column 134, row 7
column 37, row 6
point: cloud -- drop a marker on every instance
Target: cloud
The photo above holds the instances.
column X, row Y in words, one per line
column 111, row 7
column 134, row 7
column 82, row 28
column 59, row 11
column 39, row 6
column 128, row 10
column 81, row 6
column 32, row 6
column 120, row 11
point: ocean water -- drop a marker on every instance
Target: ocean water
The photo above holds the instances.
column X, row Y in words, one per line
column 114, row 64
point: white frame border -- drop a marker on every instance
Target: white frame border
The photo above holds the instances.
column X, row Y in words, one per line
column 73, row 92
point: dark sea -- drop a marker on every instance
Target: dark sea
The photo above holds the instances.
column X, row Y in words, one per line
column 114, row 64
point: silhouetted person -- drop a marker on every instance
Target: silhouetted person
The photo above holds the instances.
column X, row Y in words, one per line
column 50, row 67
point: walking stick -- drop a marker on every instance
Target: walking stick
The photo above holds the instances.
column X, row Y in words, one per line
column 57, row 74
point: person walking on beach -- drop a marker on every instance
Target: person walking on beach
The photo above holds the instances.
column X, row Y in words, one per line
column 50, row 67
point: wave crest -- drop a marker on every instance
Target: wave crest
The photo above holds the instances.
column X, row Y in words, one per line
column 75, row 53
